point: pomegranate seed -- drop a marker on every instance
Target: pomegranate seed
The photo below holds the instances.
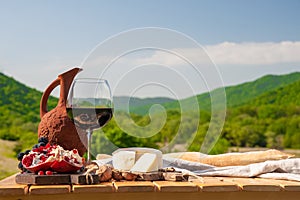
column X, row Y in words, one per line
column 43, row 158
column 41, row 148
column 49, row 172
column 41, row 173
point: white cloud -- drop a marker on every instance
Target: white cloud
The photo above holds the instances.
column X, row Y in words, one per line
column 236, row 54
column 226, row 53
column 254, row 53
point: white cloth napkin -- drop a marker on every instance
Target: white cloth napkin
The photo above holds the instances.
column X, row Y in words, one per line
column 287, row 169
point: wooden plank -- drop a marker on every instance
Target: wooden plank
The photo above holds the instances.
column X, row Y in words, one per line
column 165, row 196
column 255, row 184
column 49, row 189
column 13, row 190
column 8, row 186
column 170, row 186
column 286, row 185
column 214, row 184
column 103, row 187
column 134, row 186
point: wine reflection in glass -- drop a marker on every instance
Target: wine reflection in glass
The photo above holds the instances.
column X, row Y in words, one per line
column 89, row 105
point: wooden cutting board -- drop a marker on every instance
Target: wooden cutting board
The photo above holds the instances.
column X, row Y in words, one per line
column 55, row 179
column 80, row 179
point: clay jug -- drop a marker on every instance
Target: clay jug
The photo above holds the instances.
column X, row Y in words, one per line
column 55, row 125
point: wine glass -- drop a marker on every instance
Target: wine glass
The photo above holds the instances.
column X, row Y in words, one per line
column 89, row 105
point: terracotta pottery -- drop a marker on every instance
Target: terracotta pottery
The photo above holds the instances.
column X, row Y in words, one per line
column 55, row 125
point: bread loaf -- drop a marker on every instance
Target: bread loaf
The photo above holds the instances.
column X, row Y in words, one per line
column 231, row 159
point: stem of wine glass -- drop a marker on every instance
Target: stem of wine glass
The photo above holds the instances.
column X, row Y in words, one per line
column 89, row 137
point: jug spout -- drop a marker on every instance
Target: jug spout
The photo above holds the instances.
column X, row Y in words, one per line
column 66, row 82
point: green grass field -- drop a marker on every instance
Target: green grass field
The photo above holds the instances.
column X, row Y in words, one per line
column 8, row 162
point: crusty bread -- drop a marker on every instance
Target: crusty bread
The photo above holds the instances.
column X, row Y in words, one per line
column 231, row 159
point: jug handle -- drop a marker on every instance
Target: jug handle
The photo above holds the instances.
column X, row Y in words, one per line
column 44, row 100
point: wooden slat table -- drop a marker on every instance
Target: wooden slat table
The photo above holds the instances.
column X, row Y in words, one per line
column 207, row 188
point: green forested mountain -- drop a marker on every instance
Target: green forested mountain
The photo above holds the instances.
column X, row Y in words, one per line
column 241, row 94
column 271, row 119
column 19, row 111
column 235, row 95
column 17, row 100
column 137, row 105
column 285, row 95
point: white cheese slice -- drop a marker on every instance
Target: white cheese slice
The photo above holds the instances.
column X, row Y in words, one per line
column 141, row 151
column 123, row 160
column 148, row 162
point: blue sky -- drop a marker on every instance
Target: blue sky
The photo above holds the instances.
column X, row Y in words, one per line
column 40, row 39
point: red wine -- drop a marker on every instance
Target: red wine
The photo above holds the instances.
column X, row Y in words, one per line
column 90, row 118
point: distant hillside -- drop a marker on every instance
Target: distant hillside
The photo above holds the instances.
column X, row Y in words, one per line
column 137, row 105
column 235, row 95
column 271, row 119
column 19, row 112
column 17, row 101
column 242, row 93
column 121, row 101
column 286, row 95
